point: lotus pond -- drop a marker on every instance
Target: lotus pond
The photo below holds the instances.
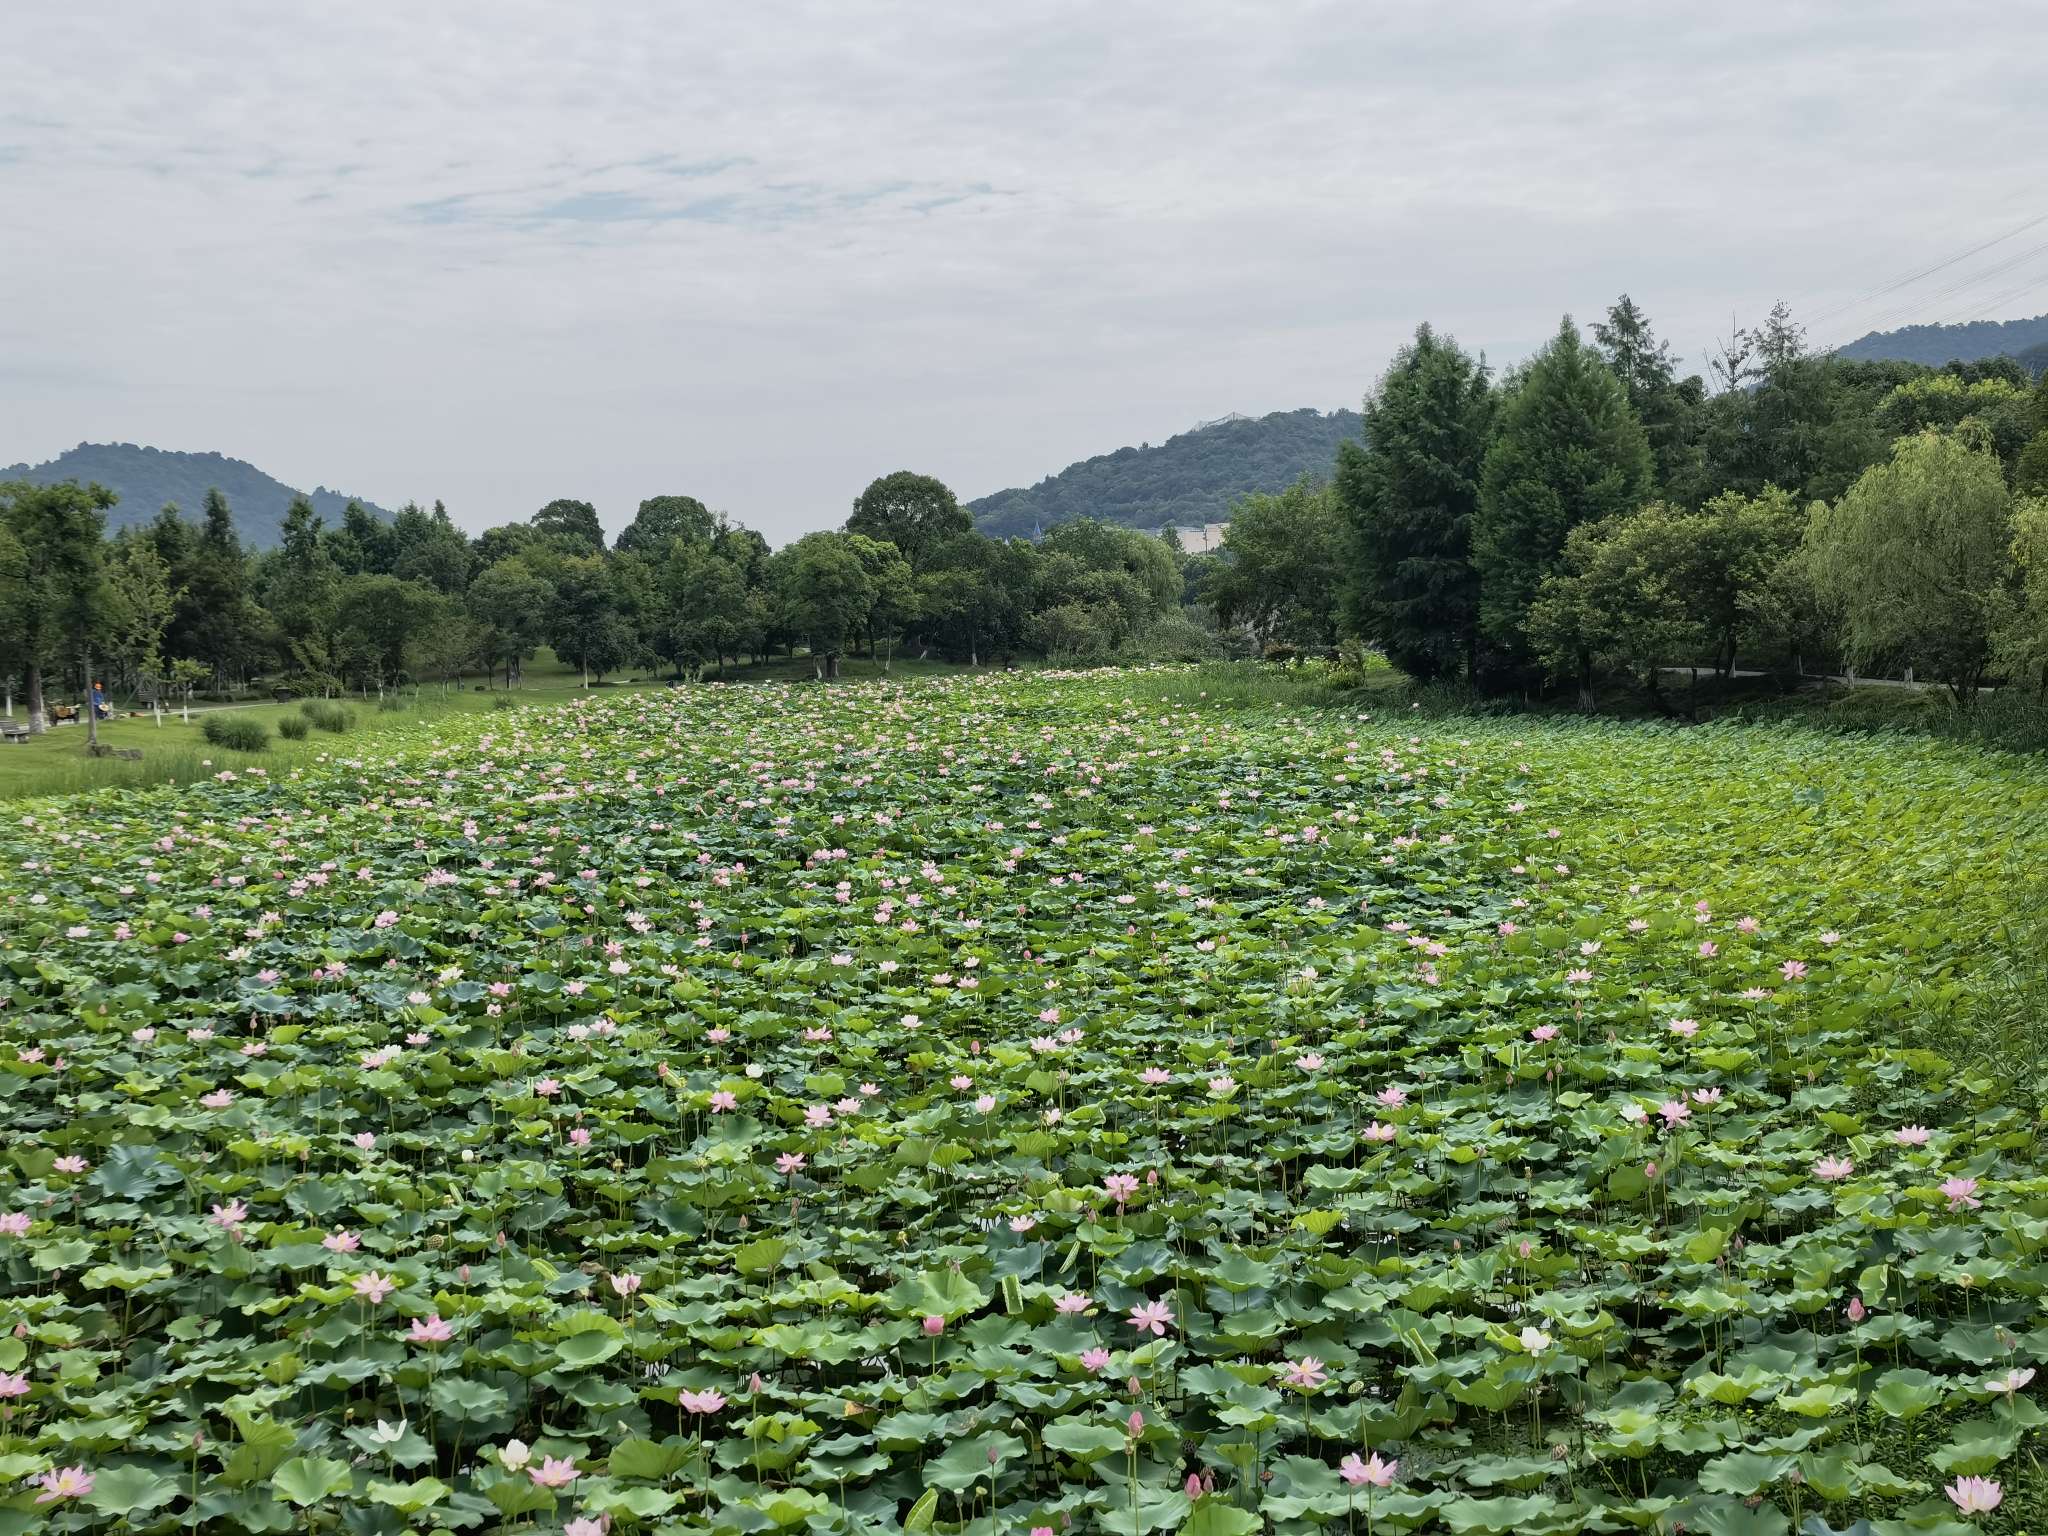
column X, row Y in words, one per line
column 1019, row 1105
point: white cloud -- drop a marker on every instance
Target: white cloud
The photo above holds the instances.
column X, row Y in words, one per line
column 498, row 252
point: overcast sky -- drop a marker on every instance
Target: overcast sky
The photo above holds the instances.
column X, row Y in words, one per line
column 761, row 252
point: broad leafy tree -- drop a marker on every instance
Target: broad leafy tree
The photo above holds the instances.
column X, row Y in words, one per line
column 914, row 512
column 1622, row 598
column 573, row 523
column 510, row 603
column 1280, row 565
column 662, row 520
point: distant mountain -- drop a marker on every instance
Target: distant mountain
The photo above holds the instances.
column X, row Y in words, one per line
column 1938, row 344
column 146, row 478
column 1186, row 481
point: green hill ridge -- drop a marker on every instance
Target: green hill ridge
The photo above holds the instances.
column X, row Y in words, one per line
column 146, row 478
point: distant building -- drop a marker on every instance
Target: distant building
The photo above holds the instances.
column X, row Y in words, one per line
column 1203, row 540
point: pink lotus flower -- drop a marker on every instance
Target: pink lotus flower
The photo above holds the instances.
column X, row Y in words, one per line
column 1912, row 1135
column 1393, row 1096
column 1305, row 1374
column 579, row 1137
column 1309, row 1063
column 76, row 1483
column 220, row 1098
column 723, row 1100
column 1379, row 1132
column 1971, row 1495
column 1074, row 1301
column 554, row 1472
column 704, row 1403
column 1685, row 1028
column 341, row 1241
column 2014, row 1380
column 72, row 1164
column 587, row 1525
column 1793, row 970
column 1709, row 949
column 373, row 1287
column 1120, row 1187
column 626, row 1284
column 365, row 1141
column 1830, row 1169
column 1675, row 1113
column 1856, row 1310
column 14, row 1223
column 1151, row 1317
column 789, row 1162
column 1096, row 1359
column 430, row 1330
column 233, row 1214
column 1544, row 1032
column 1152, row 1077
column 1358, row 1474
column 1961, row 1194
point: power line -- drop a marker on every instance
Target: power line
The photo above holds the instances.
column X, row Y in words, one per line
column 1893, row 317
column 1910, row 278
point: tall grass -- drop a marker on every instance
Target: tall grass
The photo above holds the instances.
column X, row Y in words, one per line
column 68, row 775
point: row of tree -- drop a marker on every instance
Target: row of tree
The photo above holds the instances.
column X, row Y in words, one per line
column 1591, row 511
column 371, row 604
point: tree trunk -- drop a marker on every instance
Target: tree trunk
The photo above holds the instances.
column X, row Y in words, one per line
column 92, row 710
column 38, row 720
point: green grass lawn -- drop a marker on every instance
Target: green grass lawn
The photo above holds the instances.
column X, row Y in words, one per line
column 175, row 751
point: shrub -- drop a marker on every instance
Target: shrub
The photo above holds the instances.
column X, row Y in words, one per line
column 391, row 704
column 504, row 701
column 327, row 716
column 293, row 727
column 238, row 733
column 1174, row 637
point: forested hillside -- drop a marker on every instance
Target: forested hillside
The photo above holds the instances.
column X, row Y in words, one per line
column 1188, row 480
column 1938, row 344
column 146, row 478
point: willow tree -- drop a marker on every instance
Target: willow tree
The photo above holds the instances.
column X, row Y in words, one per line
column 1914, row 561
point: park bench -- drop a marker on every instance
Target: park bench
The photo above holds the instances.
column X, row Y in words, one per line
column 13, row 730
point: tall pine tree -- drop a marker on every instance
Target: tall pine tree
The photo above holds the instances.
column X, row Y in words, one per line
column 1567, row 450
column 1406, row 495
